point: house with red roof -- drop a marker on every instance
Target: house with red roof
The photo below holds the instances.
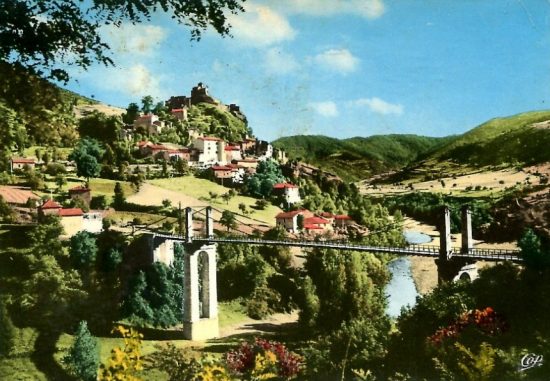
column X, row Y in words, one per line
column 290, row 193
column 19, row 163
column 180, row 114
column 211, row 150
column 289, row 220
column 229, row 174
column 232, row 152
column 73, row 220
column 317, row 224
column 342, row 220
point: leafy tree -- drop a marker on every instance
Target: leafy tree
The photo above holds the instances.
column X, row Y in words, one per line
column 11, row 134
column 46, row 158
column 34, row 179
column 181, row 166
column 343, row 300
column 6, row 213
column 87, row 155
column 132, row 112
column 43, row 35
column 135, row 306
column 83, row 356
column 243, row 208
column 83, row 250
column 7, row 333
column 147, row 104
column 98, row 126
column 261, row 204
column 228, row 220
column 155, row 295
column 54, row 169
column 533, row 254
column 119, row 198
column 44, row 238
column 137, row 178
column 261, row 183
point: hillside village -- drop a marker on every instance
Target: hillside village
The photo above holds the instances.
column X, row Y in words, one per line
column 229, row 163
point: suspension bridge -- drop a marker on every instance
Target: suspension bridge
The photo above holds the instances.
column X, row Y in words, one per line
column 200, row 285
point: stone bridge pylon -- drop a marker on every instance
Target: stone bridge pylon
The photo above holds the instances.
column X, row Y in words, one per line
column 450, row 268
column 200, row 294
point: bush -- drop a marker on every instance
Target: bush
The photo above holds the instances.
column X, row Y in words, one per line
column 98, row 202
column 54, row 169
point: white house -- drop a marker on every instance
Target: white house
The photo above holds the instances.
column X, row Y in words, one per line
column 290, row 192
column 212, row 150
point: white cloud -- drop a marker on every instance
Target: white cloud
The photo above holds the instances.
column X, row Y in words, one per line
column 260, row 25
column 277, row 61
column 369, row 9
column 379, row 106
column 327, row 109
column 340, row 60
column 136, row 81
column 134, row 39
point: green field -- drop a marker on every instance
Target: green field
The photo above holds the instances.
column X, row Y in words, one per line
column 200, row 188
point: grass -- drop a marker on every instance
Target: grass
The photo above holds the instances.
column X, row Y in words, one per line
column 20, row 367
column 146, row 218
column 200, row 188
column 230, row 313
column 62, row 151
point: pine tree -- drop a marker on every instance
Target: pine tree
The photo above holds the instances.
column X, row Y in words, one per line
column 83, row 358
column 7, row 331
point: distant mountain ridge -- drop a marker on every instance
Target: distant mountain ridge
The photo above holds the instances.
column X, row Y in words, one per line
column 518, row 140
column 358, row 157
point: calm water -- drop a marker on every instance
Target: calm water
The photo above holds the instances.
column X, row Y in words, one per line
column 401, row 290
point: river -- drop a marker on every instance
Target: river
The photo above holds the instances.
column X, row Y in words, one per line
column 401, row 291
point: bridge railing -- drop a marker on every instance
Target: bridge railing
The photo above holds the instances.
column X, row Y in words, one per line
column 420, row 250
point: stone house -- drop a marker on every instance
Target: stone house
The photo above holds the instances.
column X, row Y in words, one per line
column 18, row 163
column 180, row 114
column 150, row 123
column 81, row 192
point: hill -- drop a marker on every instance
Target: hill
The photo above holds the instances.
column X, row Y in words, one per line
column 357, row 158
column 518, row 140
column 217, row 120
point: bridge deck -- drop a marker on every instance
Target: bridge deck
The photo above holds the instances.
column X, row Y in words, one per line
column 493, row 255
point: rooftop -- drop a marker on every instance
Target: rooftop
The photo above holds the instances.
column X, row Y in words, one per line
column 284, row 185
column 50, row 204
column 17, row 195
column 315, row 220
column 22, row 160
column 71, row 212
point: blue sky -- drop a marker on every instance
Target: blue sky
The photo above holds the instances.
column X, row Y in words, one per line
column 344, row 68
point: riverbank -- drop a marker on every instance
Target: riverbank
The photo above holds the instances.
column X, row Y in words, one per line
column 424, row 270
